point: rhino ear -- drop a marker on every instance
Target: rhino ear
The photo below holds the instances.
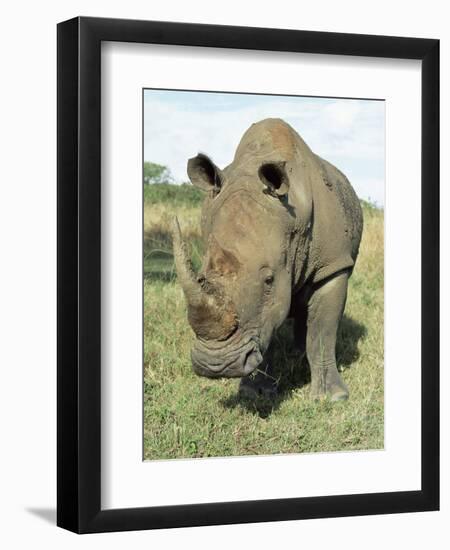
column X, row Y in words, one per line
column 275, row 178
column 204, row 174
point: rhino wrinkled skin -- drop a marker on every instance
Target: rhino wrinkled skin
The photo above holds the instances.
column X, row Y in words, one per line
column 282, row 228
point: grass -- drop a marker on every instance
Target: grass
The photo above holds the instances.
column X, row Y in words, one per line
column 173, row 195
column 188, row 416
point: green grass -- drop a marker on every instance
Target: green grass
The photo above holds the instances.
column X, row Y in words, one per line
column 173, row 195
column 189, row 416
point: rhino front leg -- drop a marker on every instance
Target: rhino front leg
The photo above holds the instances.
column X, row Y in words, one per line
column 325, row 309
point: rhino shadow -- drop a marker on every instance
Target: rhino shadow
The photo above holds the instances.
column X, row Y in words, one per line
column 291, row 375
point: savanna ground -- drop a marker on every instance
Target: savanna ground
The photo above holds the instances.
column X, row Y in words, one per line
column 188, row 416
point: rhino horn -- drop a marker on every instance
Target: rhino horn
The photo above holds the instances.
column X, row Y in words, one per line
column 186, row 275
column 210, row 316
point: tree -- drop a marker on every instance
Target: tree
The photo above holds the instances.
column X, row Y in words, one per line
column 156, row 173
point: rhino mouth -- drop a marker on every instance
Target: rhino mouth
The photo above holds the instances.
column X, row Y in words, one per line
column 238, row 360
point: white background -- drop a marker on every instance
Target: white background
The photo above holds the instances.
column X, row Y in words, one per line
column 126, row 480
column 28, row 243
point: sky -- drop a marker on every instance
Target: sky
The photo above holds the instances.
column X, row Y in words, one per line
column 349, row 133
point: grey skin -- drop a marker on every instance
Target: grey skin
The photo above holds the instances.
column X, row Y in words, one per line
column 282, row 228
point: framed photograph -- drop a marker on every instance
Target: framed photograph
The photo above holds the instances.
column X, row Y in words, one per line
column 248, row 275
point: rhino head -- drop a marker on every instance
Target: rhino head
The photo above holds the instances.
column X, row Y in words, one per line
column 256, row 241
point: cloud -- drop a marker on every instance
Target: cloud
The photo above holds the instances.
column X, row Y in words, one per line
column 348, row 133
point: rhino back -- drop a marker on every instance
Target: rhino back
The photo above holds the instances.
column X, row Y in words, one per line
column 348, row 201
column 338, row 221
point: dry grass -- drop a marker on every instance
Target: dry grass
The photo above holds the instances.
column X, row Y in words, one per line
column 188, row 416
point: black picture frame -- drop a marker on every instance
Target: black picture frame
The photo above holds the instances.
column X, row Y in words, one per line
column 79, row 280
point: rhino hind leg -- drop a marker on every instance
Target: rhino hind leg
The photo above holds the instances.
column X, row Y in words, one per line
column 325, row 309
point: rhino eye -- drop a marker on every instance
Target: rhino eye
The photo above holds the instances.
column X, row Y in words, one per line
column 269, row 280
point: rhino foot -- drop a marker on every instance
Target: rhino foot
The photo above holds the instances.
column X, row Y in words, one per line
column 338, row 393
column 328, row 383
column 260, row 386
